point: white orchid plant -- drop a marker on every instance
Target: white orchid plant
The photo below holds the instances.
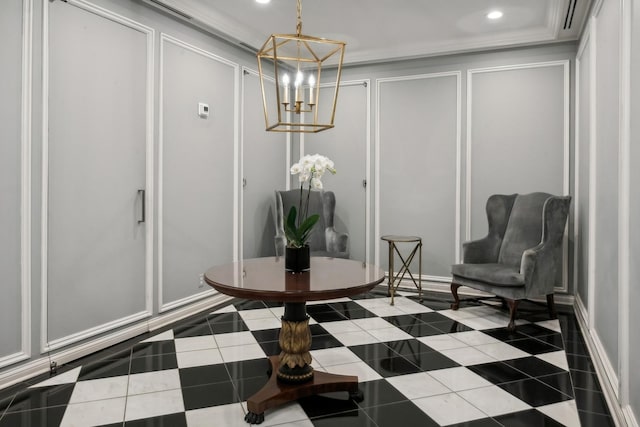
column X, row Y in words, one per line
column 310, row 170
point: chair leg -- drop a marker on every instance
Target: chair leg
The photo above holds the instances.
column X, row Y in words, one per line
column 513, row 308
column 454, row 292
column 551, row 306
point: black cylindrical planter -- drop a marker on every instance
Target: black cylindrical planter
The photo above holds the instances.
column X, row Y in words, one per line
column 297, row 259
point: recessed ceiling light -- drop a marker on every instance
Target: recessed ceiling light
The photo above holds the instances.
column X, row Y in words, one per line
column 495, row 14
column 263, row 1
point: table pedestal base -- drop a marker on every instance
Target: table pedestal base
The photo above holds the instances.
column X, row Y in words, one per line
column 275, row 392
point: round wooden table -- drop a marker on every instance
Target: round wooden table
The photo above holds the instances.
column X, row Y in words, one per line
column 265, row 279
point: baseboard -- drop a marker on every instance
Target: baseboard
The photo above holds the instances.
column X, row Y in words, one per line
column 629, row 416
column 41, row 365
column 604, row 370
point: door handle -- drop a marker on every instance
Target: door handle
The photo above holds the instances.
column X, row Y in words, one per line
column 143, row 214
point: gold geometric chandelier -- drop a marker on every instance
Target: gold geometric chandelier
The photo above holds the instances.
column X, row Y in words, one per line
column 293, row 68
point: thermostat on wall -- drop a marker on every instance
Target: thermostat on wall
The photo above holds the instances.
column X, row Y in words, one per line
column 203, row 110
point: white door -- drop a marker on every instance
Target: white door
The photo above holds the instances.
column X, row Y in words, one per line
column 96, row 227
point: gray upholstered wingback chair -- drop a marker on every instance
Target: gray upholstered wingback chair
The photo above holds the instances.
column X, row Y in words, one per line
column 324, row 240
column 521, row 256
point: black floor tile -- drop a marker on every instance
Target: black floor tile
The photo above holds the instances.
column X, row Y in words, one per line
column 379, row 392
column 225, row 318
column 172, row 420
column 319, row 308
column 327, row 404
column 408, row 348
column 534, row 392
column 373, row 351
column 267, row 335
column 527, row 418
column 586, row 380
column 503, row 335
column 533, row 346
column 153, row 348
column 403, row 320
column 327, row 316
column 576, row 347
column 560, row 382
column 104, row 369
column 204, row 396
column 591, row 401
column 270, row 348
column 354, row 418
column 572, row 334
column 357, row 314
column 431, row 361
column 589, row 419
column 153, row 363
column 535, row 330
column 403, row 413
column 533, row 366
column 200, row 375
column 248, row 368
column 319, row 342
column 498, row 372
column 229, row 327
column 317, row 330
column 192, row 330
column 247, row 387
column 421, row 330
column 432, row 317
column 41, row 397
column 580, row 363
column 45, row 417
column 434, row 304
column 393, row 366
column 450, row 326
column 555, row 340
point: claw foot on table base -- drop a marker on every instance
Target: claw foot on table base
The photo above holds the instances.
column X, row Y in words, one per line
column 253, row 418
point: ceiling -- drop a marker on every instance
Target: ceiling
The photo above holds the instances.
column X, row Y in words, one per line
column 383, row 30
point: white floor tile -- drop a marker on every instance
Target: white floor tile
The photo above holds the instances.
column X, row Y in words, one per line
column 482, row 323
column 558, row 358
column 189, row 359
column 232, row 414
column 261, row 313
column 154, row 404
column 242, row 352
column 474, row 338
column 390, row 334
column 150, row 382
column 467, row 356
column 388, row 310
column 195, row 343
column 100, row 389
column 277, row 311
column 372, row 323
column 360, row 369
column 501, row 351
column 341, row 326
column 565, row 412
column 235, row 339
column 411, row 307
column 493, row 400
column 553, row 325
column 261, row 324
column 164, row 336
column 95, row 413
column 288, row 414
column 374, row 302
column 334, row 356
column 459, row 378
column 442, row 342
column 226, row 309
column 448, row 409
column 414, row 386
column 68, row 377
column 355, row 338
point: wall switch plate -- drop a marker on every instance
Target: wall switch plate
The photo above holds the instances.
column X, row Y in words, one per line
column 203, row 110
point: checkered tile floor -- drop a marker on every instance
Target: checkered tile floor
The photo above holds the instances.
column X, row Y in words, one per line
column 420, row 364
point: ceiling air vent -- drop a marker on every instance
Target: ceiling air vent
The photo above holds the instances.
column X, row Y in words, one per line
column 571, row 9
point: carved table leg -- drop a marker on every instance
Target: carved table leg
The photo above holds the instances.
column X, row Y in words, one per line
column 551, row 306
column 513, row 308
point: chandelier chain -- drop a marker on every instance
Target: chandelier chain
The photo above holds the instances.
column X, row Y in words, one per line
column 299, row 24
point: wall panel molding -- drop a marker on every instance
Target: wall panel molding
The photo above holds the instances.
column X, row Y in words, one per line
column 458, row 161
column 566, row 140
column 164, row 306
column 25, row 189
column 45, row 344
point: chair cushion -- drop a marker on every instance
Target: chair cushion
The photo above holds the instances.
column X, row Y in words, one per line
column 524, row 229
column 494, row 274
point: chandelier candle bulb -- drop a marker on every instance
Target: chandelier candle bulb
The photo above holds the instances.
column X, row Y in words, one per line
column 285, row 82
column 312, row 83
column 298, row 85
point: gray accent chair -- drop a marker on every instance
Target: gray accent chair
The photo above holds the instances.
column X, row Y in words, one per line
column 324, row 240
column 521, row 256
